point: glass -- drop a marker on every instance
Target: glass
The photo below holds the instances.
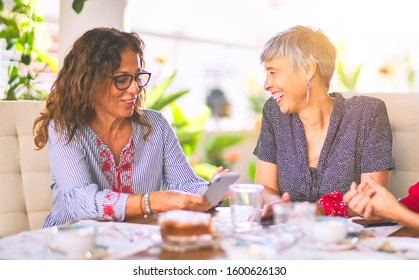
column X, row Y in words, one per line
column 123, row 81
column 294, row 218
column 245, row 204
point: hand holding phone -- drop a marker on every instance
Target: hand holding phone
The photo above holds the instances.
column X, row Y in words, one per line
column 218, row 187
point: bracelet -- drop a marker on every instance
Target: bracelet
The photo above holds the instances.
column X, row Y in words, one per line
column 147, row 205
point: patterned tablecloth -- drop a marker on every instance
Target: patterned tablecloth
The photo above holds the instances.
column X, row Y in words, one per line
column 114, row 241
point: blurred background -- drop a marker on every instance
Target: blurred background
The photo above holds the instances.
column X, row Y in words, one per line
column 204, row 55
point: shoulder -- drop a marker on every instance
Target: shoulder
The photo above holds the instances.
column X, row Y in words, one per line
column 269, row 104
column 156, row 119
column 360, row 102
column 152, row 115
column 359, row 106
column 271, row 109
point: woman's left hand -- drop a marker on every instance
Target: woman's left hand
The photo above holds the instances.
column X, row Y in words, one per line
column 219, row 170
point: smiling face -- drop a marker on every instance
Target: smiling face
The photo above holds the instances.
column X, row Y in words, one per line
column 286, row 85
column 111, row 103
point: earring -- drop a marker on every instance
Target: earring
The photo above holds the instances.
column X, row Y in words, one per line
column 308, row 86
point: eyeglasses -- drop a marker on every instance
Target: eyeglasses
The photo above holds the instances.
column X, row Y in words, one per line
column 123, row 81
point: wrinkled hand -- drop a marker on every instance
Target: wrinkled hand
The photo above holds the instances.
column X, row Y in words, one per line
column 173, row 200
column 358, row 197
column 383, row 203
column 370, row 200
column 270, row 200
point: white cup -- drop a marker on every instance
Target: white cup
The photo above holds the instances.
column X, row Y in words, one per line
column 74, row 240
column 329, row 230
column 245, row 203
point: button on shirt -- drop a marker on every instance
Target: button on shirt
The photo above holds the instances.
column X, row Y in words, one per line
column 358, row 141
column 87, row 184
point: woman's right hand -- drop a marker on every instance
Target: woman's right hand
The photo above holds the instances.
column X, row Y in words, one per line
column 174, row 200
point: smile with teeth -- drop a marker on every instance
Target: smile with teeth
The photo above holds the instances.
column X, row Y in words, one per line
column 278, row 96
column 130, row 101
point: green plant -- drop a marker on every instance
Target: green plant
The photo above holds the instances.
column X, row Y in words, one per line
column 347, row 76
column 190, row 130
column 157, row 98
column 348, row 79
column 256, row 96
column 251, row 171
column 215, row 146
column 19, row 24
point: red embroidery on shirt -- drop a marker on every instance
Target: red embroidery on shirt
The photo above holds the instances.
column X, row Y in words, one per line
column 119, row 177
column 109, row 205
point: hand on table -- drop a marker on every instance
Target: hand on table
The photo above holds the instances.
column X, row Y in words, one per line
column 173, row 200
column 270, row 200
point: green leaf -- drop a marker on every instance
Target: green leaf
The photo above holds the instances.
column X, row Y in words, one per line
column 26, row 59
column 411, row 78
column 214, row 146
column 204, row 170
column 78, row 5
column 157, row 91
column 179, row 118
column 188, row 133
column 251, row 171
column 52, row 62
column 167, row 99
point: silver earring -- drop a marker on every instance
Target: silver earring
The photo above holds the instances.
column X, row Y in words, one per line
column 308, row 86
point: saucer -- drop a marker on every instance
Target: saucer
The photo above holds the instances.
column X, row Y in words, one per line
column 99, row 252
column 343, row 245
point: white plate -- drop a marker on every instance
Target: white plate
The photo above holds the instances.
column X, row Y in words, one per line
column 344, row 245
column 406, row 247
column 99, row 252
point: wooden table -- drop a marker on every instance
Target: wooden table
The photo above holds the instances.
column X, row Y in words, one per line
column 406, row 232
column 211, row 254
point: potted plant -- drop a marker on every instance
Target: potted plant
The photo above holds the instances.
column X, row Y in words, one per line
column 19, row 26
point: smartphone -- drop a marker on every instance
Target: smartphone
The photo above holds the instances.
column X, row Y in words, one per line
column 218, row 187
column 374, row 223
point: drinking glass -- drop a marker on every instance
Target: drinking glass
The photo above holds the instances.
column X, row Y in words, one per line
column 295, row 218
column 245, row 204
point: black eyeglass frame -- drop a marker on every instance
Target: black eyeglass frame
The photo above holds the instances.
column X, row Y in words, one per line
column 132, row 77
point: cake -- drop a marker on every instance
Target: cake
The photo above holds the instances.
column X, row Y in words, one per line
column 182, row 230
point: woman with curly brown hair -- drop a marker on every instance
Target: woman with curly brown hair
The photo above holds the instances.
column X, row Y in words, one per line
column 110, row 158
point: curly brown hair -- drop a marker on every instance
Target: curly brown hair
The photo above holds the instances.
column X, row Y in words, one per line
column 93, row 57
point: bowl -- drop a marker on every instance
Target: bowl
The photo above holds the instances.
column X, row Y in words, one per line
column 329, row 229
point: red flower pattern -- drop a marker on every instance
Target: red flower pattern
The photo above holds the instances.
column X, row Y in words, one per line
column 334, row 205
column 119, row 177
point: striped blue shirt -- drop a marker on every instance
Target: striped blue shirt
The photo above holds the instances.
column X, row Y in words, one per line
column 87, row 184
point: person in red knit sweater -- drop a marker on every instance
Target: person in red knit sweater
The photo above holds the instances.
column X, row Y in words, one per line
column 373, row 201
